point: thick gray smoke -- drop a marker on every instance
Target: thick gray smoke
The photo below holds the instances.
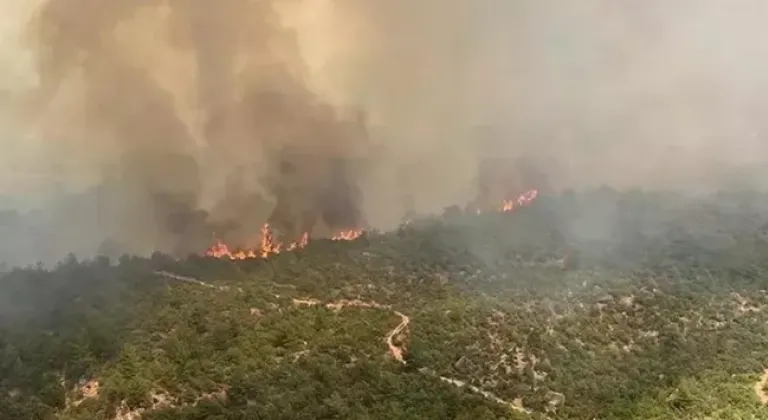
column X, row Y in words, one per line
column 156, row 147
column 158, row 125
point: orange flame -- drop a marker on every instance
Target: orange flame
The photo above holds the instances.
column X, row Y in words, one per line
column 301, row 243
column 347, row 235
column 522, row 200
column 268, row 246
column 218, row 250
column 221, row 250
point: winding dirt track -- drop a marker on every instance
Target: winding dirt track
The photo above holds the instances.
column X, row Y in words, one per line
column 484, row 393
column 397, row 353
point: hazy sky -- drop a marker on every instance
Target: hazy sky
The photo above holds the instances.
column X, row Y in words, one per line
column 653, row 93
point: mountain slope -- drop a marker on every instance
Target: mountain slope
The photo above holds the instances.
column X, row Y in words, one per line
column 610, row 306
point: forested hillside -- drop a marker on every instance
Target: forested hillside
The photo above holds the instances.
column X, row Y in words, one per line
column 594, row 305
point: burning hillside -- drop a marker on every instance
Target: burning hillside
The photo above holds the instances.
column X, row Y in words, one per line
column 269, row 245
column 241, row 149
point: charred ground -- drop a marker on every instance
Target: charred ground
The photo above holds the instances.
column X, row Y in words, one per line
column 583, row 305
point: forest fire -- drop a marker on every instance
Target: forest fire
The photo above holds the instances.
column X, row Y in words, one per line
column 221, row 250
column 347, row 235
column 523, row 199
column 268, row 246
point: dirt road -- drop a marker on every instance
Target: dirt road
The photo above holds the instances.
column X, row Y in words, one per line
column 397, row 352
column 760, row 388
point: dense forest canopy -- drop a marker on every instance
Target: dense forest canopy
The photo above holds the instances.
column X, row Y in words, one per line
column 598, row 304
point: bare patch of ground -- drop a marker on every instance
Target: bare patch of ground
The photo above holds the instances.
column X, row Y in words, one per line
column 760, row 388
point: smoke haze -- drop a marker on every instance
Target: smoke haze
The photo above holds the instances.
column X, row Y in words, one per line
column 136, row 126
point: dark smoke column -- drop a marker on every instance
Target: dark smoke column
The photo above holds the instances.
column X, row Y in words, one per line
column 316, row 193
column 264, row 119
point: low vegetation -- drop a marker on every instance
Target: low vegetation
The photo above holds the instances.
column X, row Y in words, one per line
column 598, row 305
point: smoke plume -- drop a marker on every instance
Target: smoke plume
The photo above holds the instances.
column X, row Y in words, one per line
column 136, row 126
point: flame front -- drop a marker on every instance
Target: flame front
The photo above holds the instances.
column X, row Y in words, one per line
column 347, row 235
column 268, row 246
column 301, row 243
column 221, row 250
column 218, row 250
column 522, row 200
